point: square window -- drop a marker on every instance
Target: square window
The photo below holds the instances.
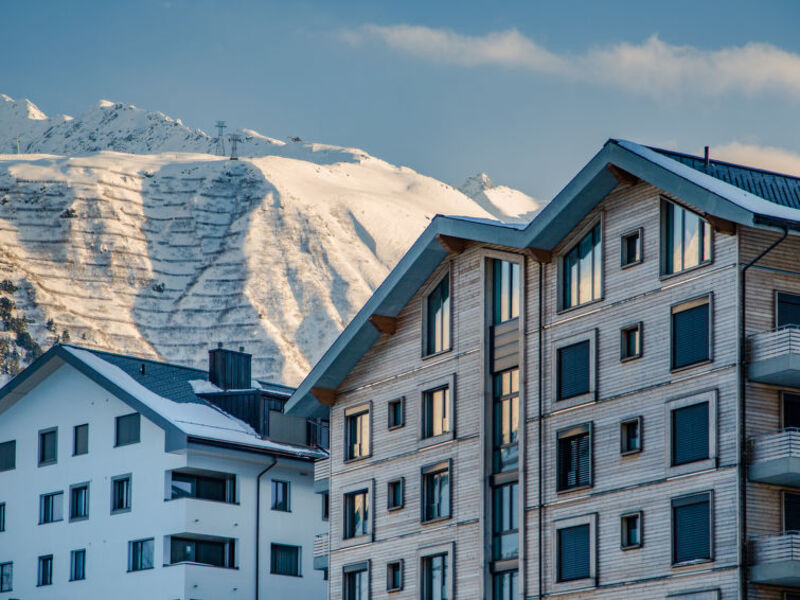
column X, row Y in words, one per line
column 436, row 412
column 48, row 446
column 630, row 343
column 140, row 555
column 574, row 370
column 51, row 507
column 121, row 493
column 631, row 530
column 8, row 456
column 574, row 557
column 77, row 565
column 630, row 435
column 45, row 576
column 691, row 528
column 355, row 581
column 582, row 269
column 574, row 458
column 7, row 577
column 79, row 502
column 280, row 495
column 691, row 332
column 435, row 577
column 357, row 432
column 436, row 492
column 437, row 313
column 127, row 429
column 80, row 440
column 356, row 514
column 631, row 248
column 396, row 413
column 394, row 576
column 690, row 433
column 285, row 560
column 685, row 239
column 395, row 494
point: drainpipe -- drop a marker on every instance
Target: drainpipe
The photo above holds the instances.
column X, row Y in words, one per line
column 258, row 521
column 541, row 431
column 743, row 415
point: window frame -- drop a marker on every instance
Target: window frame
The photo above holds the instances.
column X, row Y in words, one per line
column 580, row 429
column 626, row 451
column 638, row 232
column 390, row 424
column 72, row 488
column 299, row 557
column 514, row 262
column 564, row 342
column 13, row 445
column 358, row 538
column 353, row 412
column 584, row 582
column 623, row 346
column 513, row 513
column 782, row 400
column 498, row 464
column 45, row 559
column 199, row 475
column 128, row 495
column 682, row 306
column 75, row 439
column 286, row 505
column 360, row 567
column 42, row 502
column 399, row 564
column 132, row 544
column 423, row 554
column 42, row 433
column 228, row 545
column 575, row 241
column 436, row 281
column 433, row 385
column 426, row 472
column 10, row 565
column 401, row 482
column 117, row 421
column 686, row 500
column 665, row 241
column 709, row 396
column 72, row 565
column 776, row 304
column 623, row 518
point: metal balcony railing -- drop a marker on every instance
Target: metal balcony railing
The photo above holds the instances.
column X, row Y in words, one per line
column 775, row 559
column 775, row 458
column 774, row 356
column 322, row 544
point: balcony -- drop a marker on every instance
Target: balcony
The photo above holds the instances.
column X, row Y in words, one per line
column 775, row 458
column 322, row 474
column 322, row 546
column 776, row 559
column 774, row 356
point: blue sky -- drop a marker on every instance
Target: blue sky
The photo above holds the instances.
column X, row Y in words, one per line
column 525, row 91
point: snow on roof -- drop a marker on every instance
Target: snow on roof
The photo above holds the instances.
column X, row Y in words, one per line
column 196, row 419
column 486, row 221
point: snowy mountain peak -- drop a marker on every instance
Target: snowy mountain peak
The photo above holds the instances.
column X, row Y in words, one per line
column 507, row 204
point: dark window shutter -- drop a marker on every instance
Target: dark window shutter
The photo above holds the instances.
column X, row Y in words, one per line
column 788, row 310
column 574, row 461
column 573, row 370
column 573, row 553
column 690, row 336
column 692, row 531
column 791, row 410
column 791, row 512
column 690, row 433
column 8, row 455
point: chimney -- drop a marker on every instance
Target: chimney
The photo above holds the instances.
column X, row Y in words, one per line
column 228, row 369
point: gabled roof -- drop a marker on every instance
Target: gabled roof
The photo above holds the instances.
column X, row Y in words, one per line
column 163, row 394
column 728, row 192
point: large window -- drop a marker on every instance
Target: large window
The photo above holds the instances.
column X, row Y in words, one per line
column 8, row 455
column 280, row 495
column 7, row 577
column 505, row 585
column 356, row 514
column 574, row 556
column 583, row 267
column 217, row 553
column 127, row 429
column 690, row 433
column 686, row 239
column 574, row 370
column 436, row 492
column 691, row 332
column 435, row 412
column 79, row 502
column 121, row 493
column 77, row 565
column 140, row 555
column 45, row 575
column 357, row 430
column 437, row 306
column 435, row 577
column 505, row 290
column 284, row 560
column 219, row 488
column 575, row 457
column 48, row 445
column 356, row 582
column 787, row 310
column 80, row 440
column 506, row 420
column 51, row 507
column 691, row 528
column 505, row 522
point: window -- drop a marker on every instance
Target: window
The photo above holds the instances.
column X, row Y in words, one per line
column 788, row 310
column 436, row 492
column 691, row 528
column 574, row 458
column 574, row 371
column 573, row 553
column 280, row 495
column 631, row 248
column 77, row 565
column 506, row 420
column 219, row 488
column 356, row 514
column 7, row 577
column 791, row 410
column 630, row 436
column 45, row 576
column 8, row 455
column 438, row 318
column 356, row 582
column 140, row 555
column 47, row 446
column 630, row 343
column 318, row 432
column 582, row 269
column 505, row 585
column 127, row 429
column 51, row 507
column 435, row 584
column 686, row 239
column 631, row 530
column 691, row 336
column 79, row 502
column 505, row 527
column 357, row 433
column 285, row 560
column 395, row 494
column 216, row 553
column 791, row 512
column 2, row 516
column 435, row 412
column 80, row 440
column 326, row 506
column 394, row 576
column 396, row 413
column 690, row 441
column 121, row 493
column 505, row 288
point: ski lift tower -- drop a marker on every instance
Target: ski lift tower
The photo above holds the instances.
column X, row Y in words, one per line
column 220, row 149
column 235, row 139
column 17, row 139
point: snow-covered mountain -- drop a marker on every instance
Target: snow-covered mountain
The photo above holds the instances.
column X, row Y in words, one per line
column 119, row 230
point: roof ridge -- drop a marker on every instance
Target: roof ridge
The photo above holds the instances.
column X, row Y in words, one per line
column 722, row 162
column 139, row 358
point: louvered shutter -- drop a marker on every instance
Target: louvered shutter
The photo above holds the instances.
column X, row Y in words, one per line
column 691, row 529
column 573, row 370
column 788, row 310
column 791, row 410
column 791, row 512
column 573, row 553
column 574, row 461
column 690, row 336
column 690, row 433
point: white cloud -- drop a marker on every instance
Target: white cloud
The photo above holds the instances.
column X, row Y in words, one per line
column 652, row 67
column 764, row 157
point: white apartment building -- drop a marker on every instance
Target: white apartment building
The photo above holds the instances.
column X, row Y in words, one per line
column 124, row 478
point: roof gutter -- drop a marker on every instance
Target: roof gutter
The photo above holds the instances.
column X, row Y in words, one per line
column 251, row 449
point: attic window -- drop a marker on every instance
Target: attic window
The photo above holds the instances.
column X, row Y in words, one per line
column 583, row 270
column 685, row 239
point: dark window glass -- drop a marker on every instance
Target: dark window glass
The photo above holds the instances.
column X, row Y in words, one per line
column 396, row 417
column 141, row 555
column 7, row 577
column 80, row 440
column 788, row 310
column 285, row 560
column 631, row 249
column 791, row 410
column 690, row 433
column 79, row 502
column 691, row 528
column 8, row 455
column 505, row 586
column 127, row 429
column 686, row 239
column 357, row 434
column 395, row 493
column 574, row 461
column 436, row 412
column 2, row 516
column 573, row 370
column 318, row 432
column 394, row 576
column 435, row 584
column 206, row 552
column 506, row 420
column 51, row 507
column 506, row 288
column 505, row 524
column 47, row 446
column 573, row 553
column 45, row 570
column 436, row 493
column 356, row 585
column 280, row 495
column 631, row 342
column 77, row 566
column 438, row 307
column 204, row 487
column 791, row 512
column 583, row 270
column 121, row 494
column 326, row 506
column 356, row 514
column 630, row 436
column 631, row 530
column 690, row 336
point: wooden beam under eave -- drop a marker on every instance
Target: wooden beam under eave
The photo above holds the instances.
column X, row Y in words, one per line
column 326, row 396
column 622, row 176
column 450, row 243
column 384, row 323
column 540, row 255
column 721, row 225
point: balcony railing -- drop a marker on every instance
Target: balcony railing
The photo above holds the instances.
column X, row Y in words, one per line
column 775, row 458
column 774, row 356
column 775, row 559
column 322, row 547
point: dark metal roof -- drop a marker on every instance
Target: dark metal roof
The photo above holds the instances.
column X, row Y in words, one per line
column 776, row 187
